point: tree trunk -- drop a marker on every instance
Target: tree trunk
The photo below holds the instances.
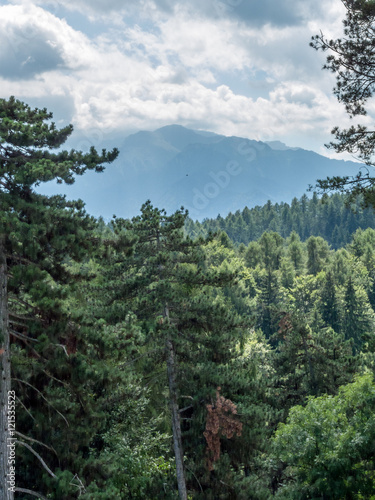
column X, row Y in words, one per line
column 7, row 475
column 311, row 366
column 175, row 414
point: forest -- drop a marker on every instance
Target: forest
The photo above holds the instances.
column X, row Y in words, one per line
column 335, row 218
column 155, row 357
column 158, row 357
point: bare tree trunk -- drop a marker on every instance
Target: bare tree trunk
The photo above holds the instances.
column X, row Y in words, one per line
column 6, row 441
column 175, row 414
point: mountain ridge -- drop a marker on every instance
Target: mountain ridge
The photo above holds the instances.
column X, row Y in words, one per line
column 206, row 173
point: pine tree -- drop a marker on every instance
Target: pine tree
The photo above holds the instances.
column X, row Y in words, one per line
column 330, row 306
column 271, row 245
column 174, row 293
column 348, row 58
column 317, row 254
column 268, row 301
column 308, row 361
column 358, row 317
column 295, row 252
column 37, row 235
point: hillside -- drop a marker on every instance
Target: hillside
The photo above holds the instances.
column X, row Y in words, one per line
column 328, row 217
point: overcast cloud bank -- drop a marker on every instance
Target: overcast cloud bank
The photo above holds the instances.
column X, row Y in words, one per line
column 235, row 67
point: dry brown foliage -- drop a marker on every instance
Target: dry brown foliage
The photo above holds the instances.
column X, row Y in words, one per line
column 220, row 422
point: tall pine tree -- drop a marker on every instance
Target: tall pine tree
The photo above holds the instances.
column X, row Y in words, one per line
column 37, row 235
column 169, row 285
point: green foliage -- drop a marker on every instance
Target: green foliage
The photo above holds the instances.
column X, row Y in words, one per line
column 358, row 317
column 180, row 292
column 327, row 446
column 55, row 372
column 349, row 58
column 317, row 254
column 263, row 309
column 329, row 217
column 131, row 459
column 329, row 303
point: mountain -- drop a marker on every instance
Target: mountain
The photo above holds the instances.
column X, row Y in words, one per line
column 205, row 172
column 278, row 145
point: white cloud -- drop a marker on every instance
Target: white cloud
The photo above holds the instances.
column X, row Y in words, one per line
column 172, row 69
column 28, row 29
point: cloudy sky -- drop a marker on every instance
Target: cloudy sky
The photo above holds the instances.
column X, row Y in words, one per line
column 235, row 67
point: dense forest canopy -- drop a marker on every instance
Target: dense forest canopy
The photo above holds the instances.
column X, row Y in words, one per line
column 333, row 218
column 161, row 358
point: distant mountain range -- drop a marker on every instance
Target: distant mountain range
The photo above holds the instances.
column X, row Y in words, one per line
column 209, row 174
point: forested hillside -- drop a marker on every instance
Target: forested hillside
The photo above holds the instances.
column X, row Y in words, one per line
column 240, row 357
column 333, row 218
column 138, row 362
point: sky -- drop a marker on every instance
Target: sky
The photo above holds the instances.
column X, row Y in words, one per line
column 234, row 67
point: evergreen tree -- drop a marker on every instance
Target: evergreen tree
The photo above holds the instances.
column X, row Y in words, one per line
column 329, row 303
column 37, row 235
column 271, row 245
column 267, row 300
column 348, row 59
column 308, row 361
column 358, row 317
column 341, row 266
column 253, row 254
column 170, row 287
column 295, row 252
column 317, row 254
column 331, row 218
column 287, row 272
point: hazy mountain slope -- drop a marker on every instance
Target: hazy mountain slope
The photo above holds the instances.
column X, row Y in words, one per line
column 207, row 173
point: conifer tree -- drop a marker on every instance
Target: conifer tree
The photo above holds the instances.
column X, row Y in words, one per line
column 268, row 300
column 358, row 316
column 351, row 58
column 37, row 235
column 170, row 287
column 309, row 362
column 295, row 251
column 329, row 303
column 317, row 254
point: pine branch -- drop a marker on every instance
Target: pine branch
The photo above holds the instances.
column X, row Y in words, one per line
column 46, row 400
column 21, row 336
column 38, row 457
column 24, row 407
column 19, row 316
column 56, row 379
column 80, row 486
column 21, row 301
column 30, row 492
column 64, row 349
column 21, row 259
column 186, row 408
column 140, row 357
column 195, row 477
column 36, row 441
